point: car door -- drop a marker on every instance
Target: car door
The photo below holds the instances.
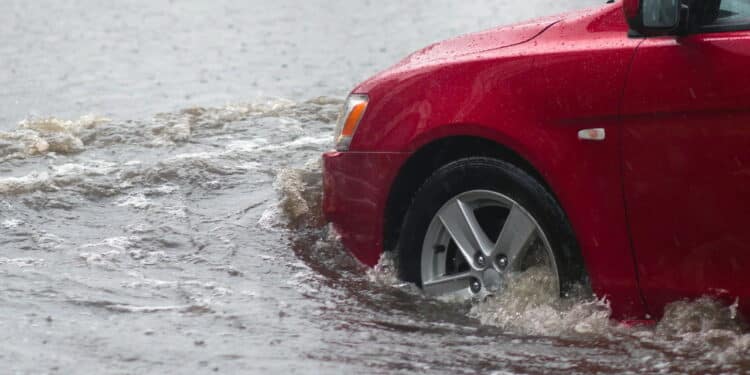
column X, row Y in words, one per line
column 686, row 159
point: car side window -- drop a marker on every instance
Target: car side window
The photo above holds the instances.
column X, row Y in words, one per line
column 721, row 15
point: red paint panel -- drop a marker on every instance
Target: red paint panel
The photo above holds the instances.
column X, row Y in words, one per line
column 356, row 187
column 687, row 166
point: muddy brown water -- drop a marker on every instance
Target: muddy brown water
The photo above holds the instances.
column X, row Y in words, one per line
column 159, row 205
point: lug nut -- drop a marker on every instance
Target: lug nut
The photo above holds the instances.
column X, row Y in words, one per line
column 475, row 286
column 481, row 261
column 502, row 261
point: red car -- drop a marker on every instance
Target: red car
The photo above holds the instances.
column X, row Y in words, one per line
column 613, row 145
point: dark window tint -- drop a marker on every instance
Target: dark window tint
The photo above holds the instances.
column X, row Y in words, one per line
column 721, row 14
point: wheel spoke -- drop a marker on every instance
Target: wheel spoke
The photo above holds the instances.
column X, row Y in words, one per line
column 455, row 229
column 447, row 285
column 463, row 227
column 515, row 237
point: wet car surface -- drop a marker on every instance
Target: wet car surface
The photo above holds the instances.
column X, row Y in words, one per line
column 159, row 205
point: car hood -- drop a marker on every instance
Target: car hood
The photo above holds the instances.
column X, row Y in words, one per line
column 482, row 41
column 467, row 45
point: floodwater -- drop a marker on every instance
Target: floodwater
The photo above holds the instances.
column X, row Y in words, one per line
column 159, row 205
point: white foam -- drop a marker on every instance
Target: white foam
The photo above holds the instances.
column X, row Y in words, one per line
column 233, row 157
column 22, row 262
column 214, row 288
column 38, row 136
column 529, row 304
column 385, row 272
column 298, row 142
column 147, row 309
column 705, row 327
column 148, row 257
column 117, row 243
column 270, row 218
column 104, row 258
column 30, row 182
column 11, row 223
column 167, row 189
column 58, row 176
column 47, row 241
column 179, row 127
column 138, row 201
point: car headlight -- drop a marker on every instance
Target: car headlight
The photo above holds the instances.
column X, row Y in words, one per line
column 352, row 114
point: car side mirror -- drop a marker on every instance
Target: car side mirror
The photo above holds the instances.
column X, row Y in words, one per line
column 657, row 17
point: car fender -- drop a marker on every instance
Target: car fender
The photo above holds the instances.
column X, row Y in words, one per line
column 533, row 99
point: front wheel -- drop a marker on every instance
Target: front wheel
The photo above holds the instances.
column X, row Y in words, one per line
column 478, row 220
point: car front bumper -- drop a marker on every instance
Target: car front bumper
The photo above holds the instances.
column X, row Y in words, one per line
column 355, row 193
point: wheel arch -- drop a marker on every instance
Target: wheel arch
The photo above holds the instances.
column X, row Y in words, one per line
column 427, row 159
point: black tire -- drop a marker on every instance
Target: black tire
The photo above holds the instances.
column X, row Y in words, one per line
column 480, row 173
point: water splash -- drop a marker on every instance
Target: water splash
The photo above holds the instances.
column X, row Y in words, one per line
column 169, row 128
column 52, row 135
column 529, row 304
column 301, row 195
column 39, row 136
column 704, row 328
column 55, row 178
column 385, row 272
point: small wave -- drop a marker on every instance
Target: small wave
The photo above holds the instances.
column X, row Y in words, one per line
column 100, row 178
column 45, row 135
column 704, row 328
column 47, row 241
column 104, row 258
column 137, row 201
column 108, row 252
column 180, row 126
column 41, row 136
column 316, row 142
column 175, row 126
column 118, row 243
column 145, row 309
column 701, row 315
column 127, row 308
column 57, row 177
column 11, row 223
column 147, row 257
column 148, row 283
column 22, row 262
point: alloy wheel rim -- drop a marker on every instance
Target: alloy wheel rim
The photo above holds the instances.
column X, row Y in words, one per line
column 475, row 241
